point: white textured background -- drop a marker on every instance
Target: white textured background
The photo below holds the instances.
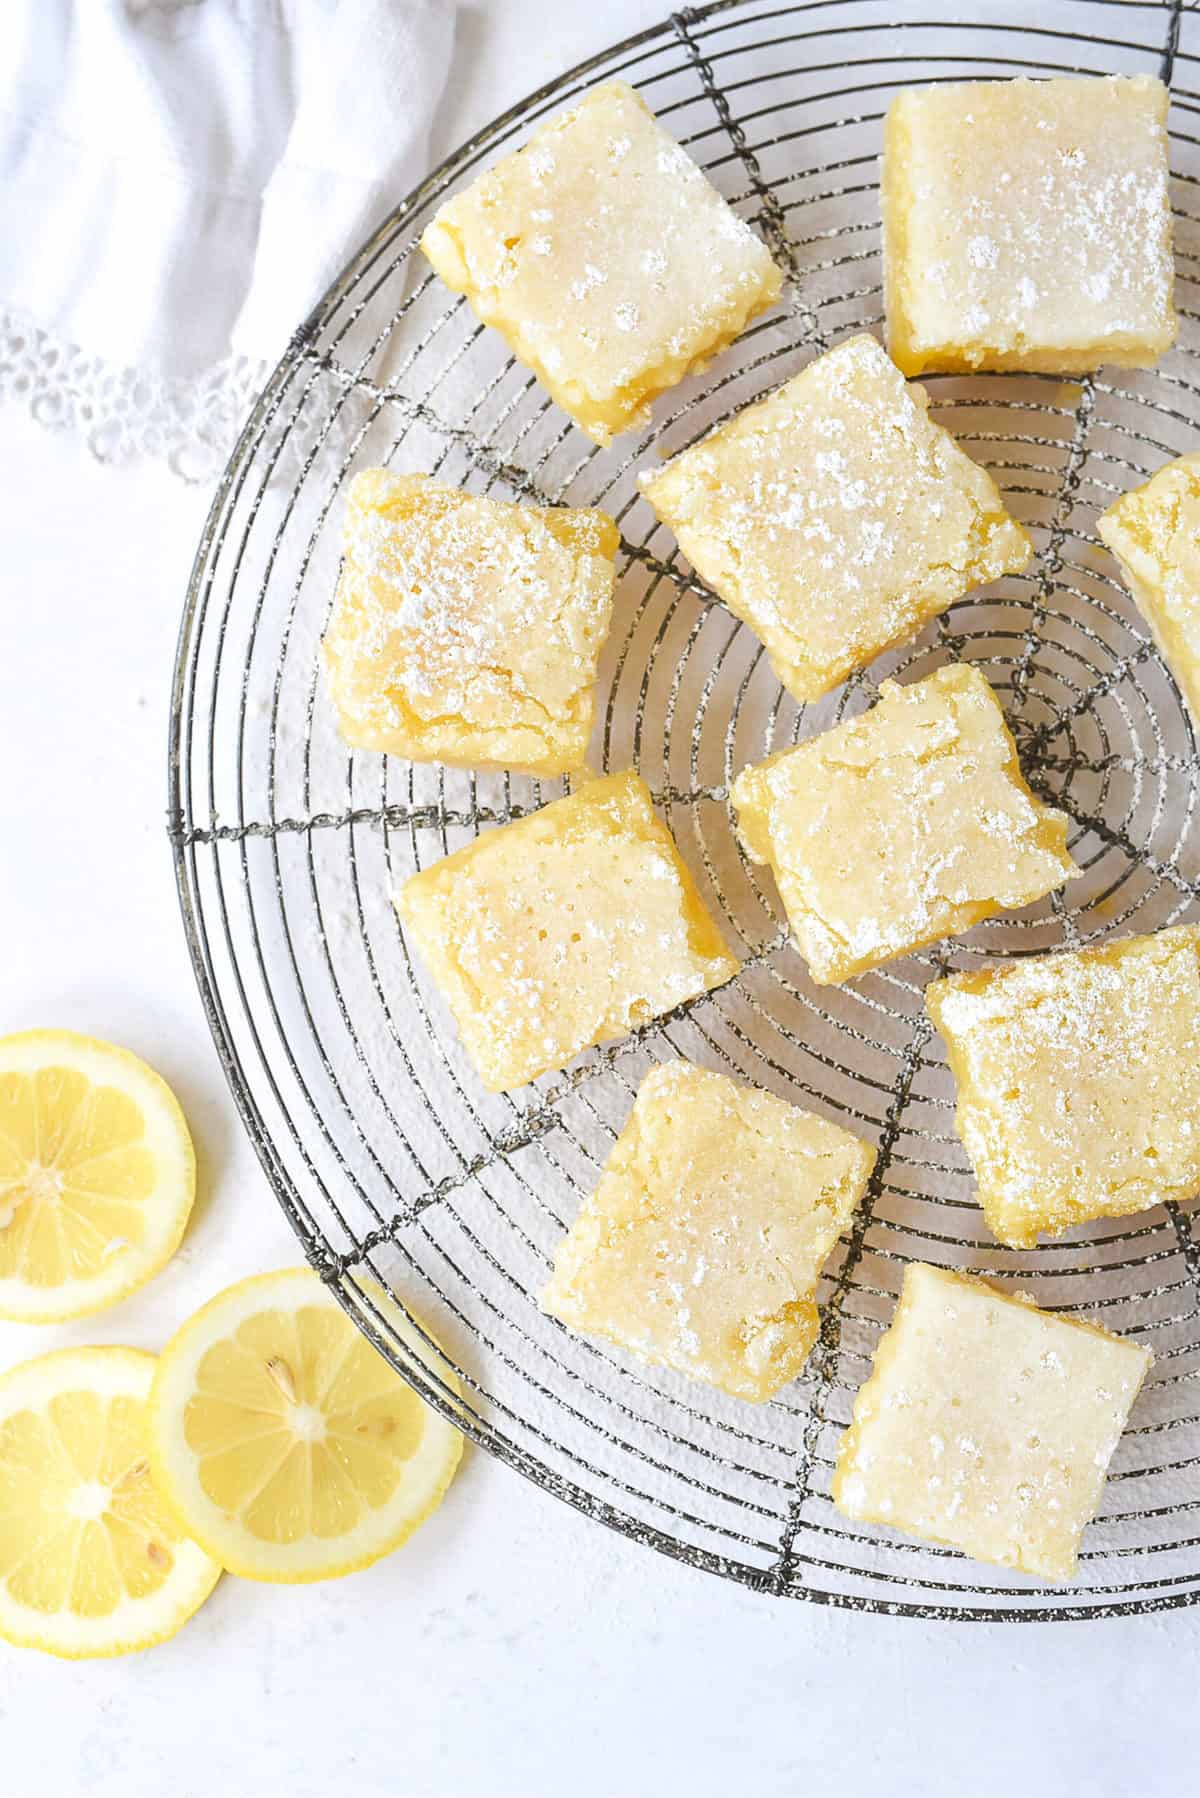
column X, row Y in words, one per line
column 512, row 1647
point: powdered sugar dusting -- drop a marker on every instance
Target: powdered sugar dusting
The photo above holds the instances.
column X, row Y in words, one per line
column 565, row 929
column 1154, row 532
column 702, row 1244
column 905, row 825
column 1043, row 206
column 1079, row 1080
column 835, row 552
column 637, row 271
column 1009, row 1420
column 466, row 629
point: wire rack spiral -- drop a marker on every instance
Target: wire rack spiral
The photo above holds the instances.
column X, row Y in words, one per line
column 394, row 1168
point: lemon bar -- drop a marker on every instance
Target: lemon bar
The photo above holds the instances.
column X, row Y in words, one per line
column 908, row 824
column 835, row 517
column 1027, row 224
column 564, row 929
column 701, row 1247
column 986, row 1424
column 607, row 261
column 1154, row 533
column 466, row 630
column 1078, row 1080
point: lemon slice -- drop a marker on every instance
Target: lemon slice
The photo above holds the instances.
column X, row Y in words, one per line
column 92, row 1562
column 289, row 1447
column 97, row 1175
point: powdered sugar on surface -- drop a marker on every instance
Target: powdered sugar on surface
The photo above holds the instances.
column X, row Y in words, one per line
column 907, row 824
column 466, row 627
column 1027, row 216
column 637, row 269
column 833, row 553
column 1078, row 1080
column 987, row 1424
column 702, row 1245
column 568, row 928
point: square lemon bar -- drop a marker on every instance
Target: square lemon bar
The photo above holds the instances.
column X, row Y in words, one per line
column 986, row 1424
column 1078, row 1080
column 467, row 630
column 835, row 517
column 1027, row 224
column 905, row 825
column 567, row 928
column 1154, row 533
column 607, row 261
column 701, row 1247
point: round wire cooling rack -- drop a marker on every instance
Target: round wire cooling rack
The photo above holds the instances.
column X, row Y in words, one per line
column 393, row 1167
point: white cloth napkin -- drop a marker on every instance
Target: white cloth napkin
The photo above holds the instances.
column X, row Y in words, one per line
column 181, row 179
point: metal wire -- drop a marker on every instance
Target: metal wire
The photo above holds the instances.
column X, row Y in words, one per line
column 393, row 1168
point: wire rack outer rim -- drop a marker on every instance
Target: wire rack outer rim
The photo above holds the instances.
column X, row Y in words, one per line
column 347, row 1292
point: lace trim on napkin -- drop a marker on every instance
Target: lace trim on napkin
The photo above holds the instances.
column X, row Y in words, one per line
column 191, row 423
